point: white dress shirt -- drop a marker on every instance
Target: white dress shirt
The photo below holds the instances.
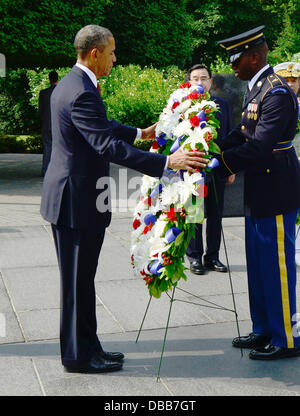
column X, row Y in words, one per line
column 256, row 76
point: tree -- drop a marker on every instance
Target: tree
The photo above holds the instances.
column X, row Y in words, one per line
column 288, row 39
column 151, row 32
column 220, row 19
column 40, row 33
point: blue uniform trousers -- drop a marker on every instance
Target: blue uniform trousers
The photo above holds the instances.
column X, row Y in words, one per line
column 271, row 267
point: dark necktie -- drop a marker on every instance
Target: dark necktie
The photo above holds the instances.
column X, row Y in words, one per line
column 98, row 88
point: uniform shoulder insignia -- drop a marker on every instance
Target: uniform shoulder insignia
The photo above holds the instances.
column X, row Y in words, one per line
column 274, row 80
column 279, row 89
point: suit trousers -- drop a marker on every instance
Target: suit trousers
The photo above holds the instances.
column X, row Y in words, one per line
column 270, row 253
column 47, row 149
column 213, row 202
column 78, row 252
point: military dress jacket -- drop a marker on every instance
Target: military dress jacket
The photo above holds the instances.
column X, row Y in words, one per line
column 261, row 146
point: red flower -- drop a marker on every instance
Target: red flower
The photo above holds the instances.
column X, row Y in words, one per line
column 195, row 121
column 175, row 104
column 194, row 96
column 136, row 223
column 155, row 145
column 147, row 201
column 185, row 85
column 147, row 228
column 171, row 214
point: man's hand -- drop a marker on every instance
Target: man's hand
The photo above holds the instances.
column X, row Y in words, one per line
column 187, row 161
column 149, row 132
column 230, row 179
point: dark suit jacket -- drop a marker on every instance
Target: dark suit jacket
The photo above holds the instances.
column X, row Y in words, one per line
column 272, row 177
column 84, row 142
column 224, row 116
column 44, row 109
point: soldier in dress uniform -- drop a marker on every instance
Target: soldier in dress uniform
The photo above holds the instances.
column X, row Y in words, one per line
column 261, row 146
column 290, row 71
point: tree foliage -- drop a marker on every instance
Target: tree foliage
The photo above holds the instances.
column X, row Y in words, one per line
column 150, row 32
column 40, row 33
column 219, row 19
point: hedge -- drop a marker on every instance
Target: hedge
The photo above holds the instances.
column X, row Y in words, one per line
column 10, row 143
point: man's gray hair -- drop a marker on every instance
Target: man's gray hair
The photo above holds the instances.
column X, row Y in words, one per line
column 91, row 36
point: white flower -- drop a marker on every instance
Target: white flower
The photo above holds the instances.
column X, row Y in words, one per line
column 158, row 246
column 167, row 123
column 196, row 137
column 170, row 194
column 177, row 96
column 148, row 182
column 159, row 227
column 183, row 128
column 196, row 108
column 181, row 108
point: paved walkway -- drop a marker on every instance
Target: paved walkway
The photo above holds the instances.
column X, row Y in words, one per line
column 199, row 359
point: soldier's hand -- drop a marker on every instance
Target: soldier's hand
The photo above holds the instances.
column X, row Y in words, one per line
column 230, row 179
column 187, row 161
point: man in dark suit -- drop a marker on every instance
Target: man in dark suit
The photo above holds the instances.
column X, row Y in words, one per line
column 214, row 201
column 45, row 112
column 261, row 146
column 84, row 142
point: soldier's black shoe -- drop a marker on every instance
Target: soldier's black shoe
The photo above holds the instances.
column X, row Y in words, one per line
column 215, row 265
column 251, row 341
column 272, row 352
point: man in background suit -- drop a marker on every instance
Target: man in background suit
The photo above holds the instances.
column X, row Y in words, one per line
column 84, row 142
column 214, row 201
column 45, row 112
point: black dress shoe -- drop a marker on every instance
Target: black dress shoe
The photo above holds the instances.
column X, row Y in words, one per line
column 251, row 341
column 215, row 265
column 196, row 267
column 112, row 356
column 271, row 352
column 95, row 365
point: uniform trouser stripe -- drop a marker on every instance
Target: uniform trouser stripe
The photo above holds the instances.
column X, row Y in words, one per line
column 284, row 282
column 271, row 269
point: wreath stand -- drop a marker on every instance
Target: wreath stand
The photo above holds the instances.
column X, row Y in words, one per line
column 211, row 304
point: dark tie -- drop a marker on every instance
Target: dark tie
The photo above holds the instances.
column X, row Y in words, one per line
column 98, row 88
